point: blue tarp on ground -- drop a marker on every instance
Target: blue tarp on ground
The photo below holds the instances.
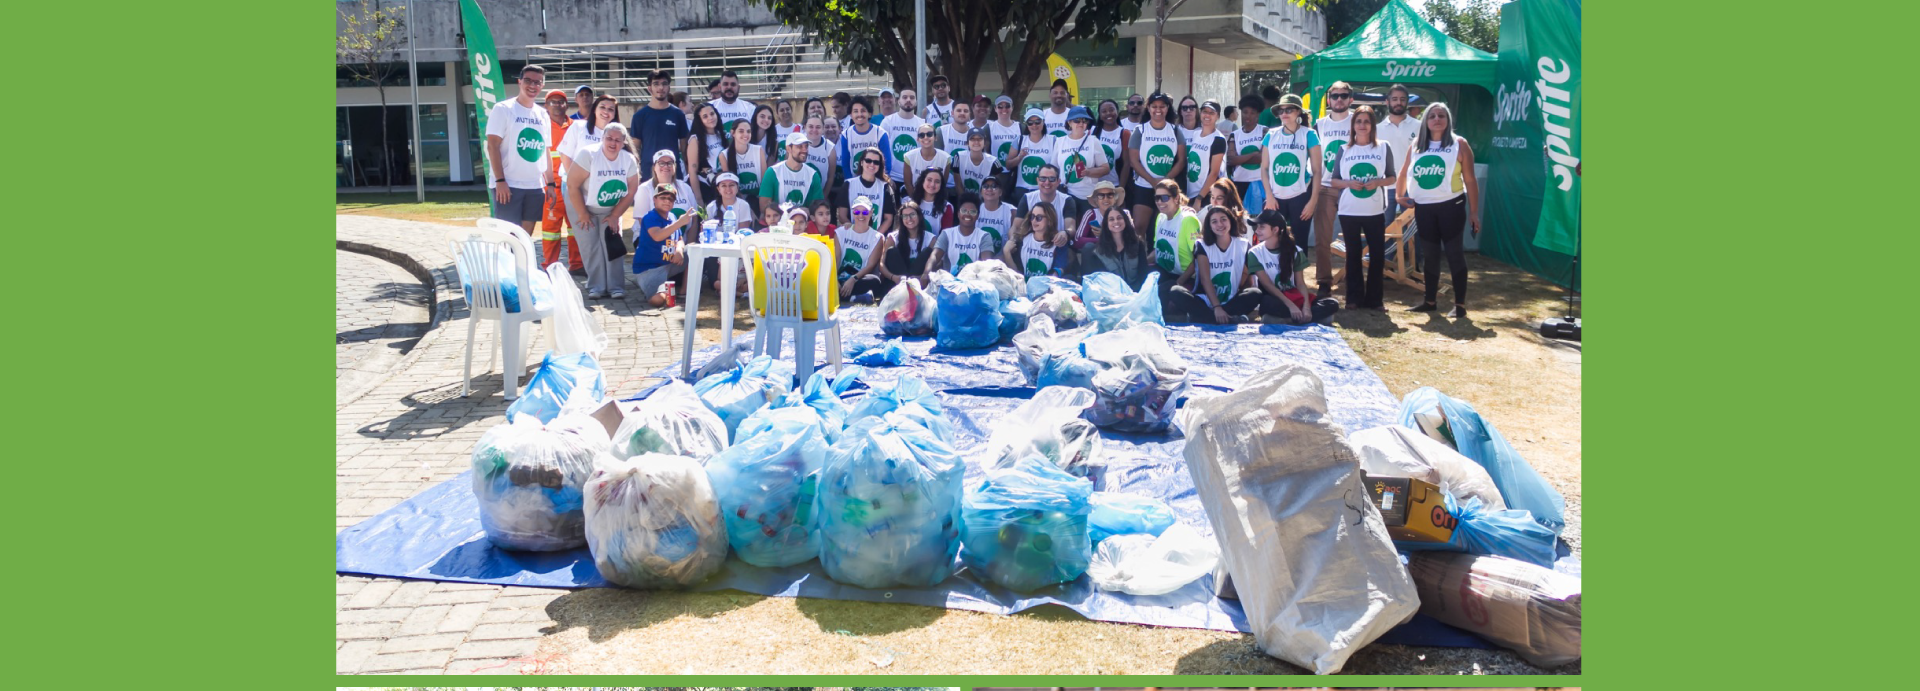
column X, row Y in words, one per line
column 437, row 534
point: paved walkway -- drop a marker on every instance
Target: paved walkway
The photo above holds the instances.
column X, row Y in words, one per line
column 412, row 430
column 380, row 311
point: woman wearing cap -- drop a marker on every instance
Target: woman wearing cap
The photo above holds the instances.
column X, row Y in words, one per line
column 1113, row 134
column 1437, row 181
column 664, row 167
column 953, row 134
column 1362, row 170
column 746, row 162
column 1157, row 153
column 982, row 112
column 1278, row 267
column 975, row 164
column 1034, row 149
column 728, row 212
column 964, row 243
column 1176, row 230
column 1215, row 288
column 1117, row 249
column 861, row 247
column 870, row 181
column 1290, row 160
column 658, row 245
column 929, row 193
column 996, row 216
column 1206, row 153
column 1081, row 157
column 929, row 156
column 1037, row 248
column 1003, row 133
column 909, row 247
column 600, row 184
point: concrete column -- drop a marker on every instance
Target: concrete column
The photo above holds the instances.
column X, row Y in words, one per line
column 680, row 71
column 461, row 167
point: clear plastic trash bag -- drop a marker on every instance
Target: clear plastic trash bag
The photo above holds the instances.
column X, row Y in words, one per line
column 1309, row 555
column 1006, row 282
column 906, row 310
column 653, row 522
column 1112, row 304
column 736, row 393
column 670, row 421
column 889, row 505
column 1143, row 564
column 820, row 395
column 1455, row 424
column 968, row 314
column 888, row 353
column 1062, row 306
column 1025, row 526
column 938, row 277
column 1396, row 451
column 909, row 396
column 1042, row 337
column 1041, row 285
column 547, row 390
column 1510, row 533
column 575, row 330
column 1013, row 317
column 527, row 477
column 509, row 284
column 1049, row 426
column 1530, row 610
column 1137, row 379
column 1122, row 513
column 766, row 486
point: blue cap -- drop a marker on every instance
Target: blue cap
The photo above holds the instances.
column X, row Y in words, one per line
column 1079, row 113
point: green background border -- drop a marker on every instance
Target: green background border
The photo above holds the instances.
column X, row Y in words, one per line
column 174, row 157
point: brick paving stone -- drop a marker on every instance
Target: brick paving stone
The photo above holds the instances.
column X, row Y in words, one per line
column 414, row 644
column 396, row 662
column 484, row 666
column 515, row 647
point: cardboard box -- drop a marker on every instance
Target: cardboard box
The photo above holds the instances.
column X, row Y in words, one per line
column 1412, row 509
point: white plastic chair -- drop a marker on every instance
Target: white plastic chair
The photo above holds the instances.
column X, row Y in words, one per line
column 784, row 259
column 477, row 253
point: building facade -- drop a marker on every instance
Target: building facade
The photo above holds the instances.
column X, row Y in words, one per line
column 611, row 44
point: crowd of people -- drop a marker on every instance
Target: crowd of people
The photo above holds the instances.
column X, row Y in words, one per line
column 1229, row 204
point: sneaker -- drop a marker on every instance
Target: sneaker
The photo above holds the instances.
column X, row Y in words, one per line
column 595, row 295
column 863, row 299
column 1457, row 312
column 1241, row 319
column 1428, row 307
column 618, row 295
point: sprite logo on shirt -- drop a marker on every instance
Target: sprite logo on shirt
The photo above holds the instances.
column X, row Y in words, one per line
column 1159, row 160
column 965, row 259
column 749, row 181
column 1363, row 172
column 795, row 196
column 610, row 193
column 1331, row 152
column 1286, row 169
column 530, row 144
column 1005, row 147
column 1221, row 285
column 1035, row 267
column 1163, row 252
column 901, row 145
column 971, row 184
column 1193, row 166
column 1251, row 164
column 991, row 232
column 1030, row 169
column 851, row 260
column 1428, row 171
column 1074, row 164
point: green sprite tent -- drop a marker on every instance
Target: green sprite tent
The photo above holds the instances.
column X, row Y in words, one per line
column 1397, row 45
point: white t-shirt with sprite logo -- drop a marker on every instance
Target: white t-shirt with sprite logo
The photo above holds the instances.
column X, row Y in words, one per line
column 1247, row 142
column 970, row 173
column 1435, row 175
column 1333, row 135
column 1114, row 146
column 1228, row 267
column 920, row 163
column 855, row 247
column 1158, row 151
column 954, row 143
column 607, row 181
column 784, row 185
column 1056, row 122
column 523, row 142
column 1071, row 156
column 1200, row 160
column 962, row 249
column 643, row 199
column 1001, row 139
column 1282, row 276
column 1036, row 255
column 576, row 140
column 1364, row 163
column 996, row 221
column 740, row 109
column 901, row 137
column 1026, row 174
column 1291, row 174
column 752, row 168
column 1173, row 240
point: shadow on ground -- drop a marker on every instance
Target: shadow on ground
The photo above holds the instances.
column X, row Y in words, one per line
column 608, row 612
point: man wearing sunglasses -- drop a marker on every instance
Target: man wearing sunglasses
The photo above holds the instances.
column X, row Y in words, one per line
column 1333, row 128
column 1136, row 112
column 520, row 179
column 869, row 181
column 1066, row 209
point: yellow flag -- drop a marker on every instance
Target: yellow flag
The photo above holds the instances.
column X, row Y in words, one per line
column 1057, row 68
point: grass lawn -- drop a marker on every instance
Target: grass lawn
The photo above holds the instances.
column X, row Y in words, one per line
column 1527, row 386
column 440, row 207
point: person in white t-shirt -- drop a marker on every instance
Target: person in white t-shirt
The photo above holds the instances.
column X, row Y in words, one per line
column 732, row 108
column 939, row 107
column 901, row 132
column 1032, row 150
column 585, row 135
column 1056, row 114
column 784, row 124
column 1004, row 133
column 520, row 180
column 1081, row 157
column 929, row 156
column 953, row 134
column 1244, row 151
column 1332, row 130
column 1397, row 131
column 601, row 181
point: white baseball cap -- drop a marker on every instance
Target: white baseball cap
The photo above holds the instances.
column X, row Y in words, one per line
column 663, row 153
column 727, row 177
column 796, row 138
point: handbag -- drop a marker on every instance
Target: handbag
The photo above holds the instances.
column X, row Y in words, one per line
column 616, row 247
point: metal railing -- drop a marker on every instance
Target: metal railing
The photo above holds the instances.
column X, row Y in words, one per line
column 786, row 64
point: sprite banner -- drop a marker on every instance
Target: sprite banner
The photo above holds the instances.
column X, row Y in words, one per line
column 1533, row 214
column 485, row 64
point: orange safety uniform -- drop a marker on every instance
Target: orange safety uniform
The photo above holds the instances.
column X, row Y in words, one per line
column 554, row 222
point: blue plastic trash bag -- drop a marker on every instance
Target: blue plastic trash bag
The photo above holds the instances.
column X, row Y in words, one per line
column 888, row 353
column 766, row 485
column 671, row 421
column 1257, row 197
column 823, row 396
column 547, row 390
column 906, row 310
column 736, row 393
column 1113, row 304
column 509, row 284
column 653, row 522
column 1041, row 285
column 1120, row 513
column 1025, row 527
column 1013, row 317
column 968, row 314
column 1457, row 425
column 527, row 477
column 909, row 396
column 1006, row 282
column 1510, row 533
column 889, row 505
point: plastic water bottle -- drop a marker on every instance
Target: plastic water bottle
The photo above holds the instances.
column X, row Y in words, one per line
column 727, row 223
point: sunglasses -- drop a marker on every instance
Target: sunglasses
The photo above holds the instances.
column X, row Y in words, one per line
column 1048, row 178
column 862, row 212
column 926, row 134
column 871, row 161
column 1163, row 197
column 535, row 82
column 1346, row 96
column 1189, row 107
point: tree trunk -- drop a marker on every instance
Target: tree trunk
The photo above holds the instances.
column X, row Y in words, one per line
column 1159, row 49
column 386, row 150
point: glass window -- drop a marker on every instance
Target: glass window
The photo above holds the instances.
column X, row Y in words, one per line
column 435, row 158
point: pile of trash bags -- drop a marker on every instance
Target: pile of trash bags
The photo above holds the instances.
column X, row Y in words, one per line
column 1113, row 306
column 736, row 393
column 1025, row 526
column 672, row 421
column 1136, row 378
column 1455, row 424
column 1045, row 337
column 910, row 397
column 1049, row 427
column 528, row 476
column 653, row 522
column 766, row 486
column 889, row 504
column 554, row 382
column 1307, row 553
column 1007, row 284
column 906, row 310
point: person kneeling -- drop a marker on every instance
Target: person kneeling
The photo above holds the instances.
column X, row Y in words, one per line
column 1278, row 268
column 657, row 254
